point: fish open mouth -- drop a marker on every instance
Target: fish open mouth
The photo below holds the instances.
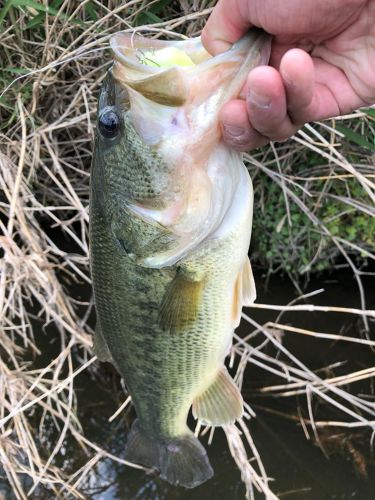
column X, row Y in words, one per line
column 156, row 68
column 172, row 72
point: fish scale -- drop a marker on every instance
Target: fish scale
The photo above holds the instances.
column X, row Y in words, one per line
column 139, row 350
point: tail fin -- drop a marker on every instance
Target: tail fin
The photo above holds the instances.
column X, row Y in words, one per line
column 181, row 461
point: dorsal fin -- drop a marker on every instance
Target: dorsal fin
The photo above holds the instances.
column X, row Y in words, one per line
column 244, row 292
column 249, row 293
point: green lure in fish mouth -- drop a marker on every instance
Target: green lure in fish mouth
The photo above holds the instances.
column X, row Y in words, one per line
column 166, row 58
column 170, row 225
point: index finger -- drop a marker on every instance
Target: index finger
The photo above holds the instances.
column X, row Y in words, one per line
column 227, row 23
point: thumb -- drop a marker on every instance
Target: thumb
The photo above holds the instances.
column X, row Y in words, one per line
column 227, row 23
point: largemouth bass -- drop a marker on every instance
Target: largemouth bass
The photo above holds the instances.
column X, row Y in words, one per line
column 171, row 216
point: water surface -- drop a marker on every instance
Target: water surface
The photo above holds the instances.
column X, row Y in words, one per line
column 299, row 468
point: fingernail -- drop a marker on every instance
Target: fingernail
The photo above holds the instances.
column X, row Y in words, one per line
column 261, row 101
column 234, row 131
column 219, row 46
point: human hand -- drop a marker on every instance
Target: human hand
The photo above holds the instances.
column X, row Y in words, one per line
column 322, row 64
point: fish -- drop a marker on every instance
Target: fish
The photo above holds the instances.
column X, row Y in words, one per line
column 170, row 224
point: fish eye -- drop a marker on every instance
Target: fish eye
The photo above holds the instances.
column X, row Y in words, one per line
column 109, row 123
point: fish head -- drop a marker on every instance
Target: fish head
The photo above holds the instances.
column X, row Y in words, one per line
column 181, row 88
column 159, row 138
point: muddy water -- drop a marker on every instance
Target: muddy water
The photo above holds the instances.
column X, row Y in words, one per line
column 300, row 469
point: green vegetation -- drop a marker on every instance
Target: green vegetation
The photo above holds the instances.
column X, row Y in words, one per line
column 314, row 201
column 297, row 244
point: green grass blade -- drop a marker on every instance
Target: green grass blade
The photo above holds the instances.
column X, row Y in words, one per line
column 159, row 6
column 35, row 21
column 370, row 112
column 34, row 5
column 147, row 18
column 17, row 71
column 4, row 10
column 90, row 9
column 356, row 138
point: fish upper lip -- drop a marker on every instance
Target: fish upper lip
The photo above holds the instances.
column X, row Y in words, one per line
column 124, row 47
column 132, row 43
column 192, row 46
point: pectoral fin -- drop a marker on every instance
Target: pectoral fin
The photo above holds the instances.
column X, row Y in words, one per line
column 221, row 403
column 180, row 305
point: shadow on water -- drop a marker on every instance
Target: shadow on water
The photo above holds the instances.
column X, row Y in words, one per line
column 300, row 469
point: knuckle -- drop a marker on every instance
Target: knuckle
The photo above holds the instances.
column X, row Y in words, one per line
column 247, row 143
column 239, row 143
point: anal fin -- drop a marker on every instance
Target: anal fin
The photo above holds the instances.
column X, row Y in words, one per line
column 180, row 305
column 221, row 403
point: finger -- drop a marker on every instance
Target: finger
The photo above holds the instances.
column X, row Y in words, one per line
column 316, row 89
column 236, row 129
column 267, row 105
column 298, row 76
column 353, row 82
column 333, row 92
column 227, row 23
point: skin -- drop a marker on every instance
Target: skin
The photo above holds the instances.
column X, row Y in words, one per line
column 321, row 65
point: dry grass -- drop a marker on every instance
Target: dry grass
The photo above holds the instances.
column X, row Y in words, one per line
column 47, row 116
